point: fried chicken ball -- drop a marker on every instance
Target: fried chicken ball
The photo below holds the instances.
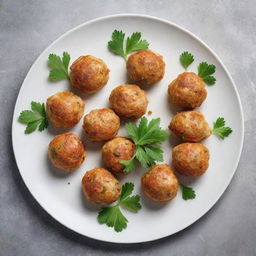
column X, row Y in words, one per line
column 187, row 90
column 100, row 186
column 190, row 159
column 66, row 151
column 160, row 184
column 101, row 124
column 64, row 109
column 129, row 100
column 190, row 126
column 145, row 67
column 115, row 150
column 88, row 74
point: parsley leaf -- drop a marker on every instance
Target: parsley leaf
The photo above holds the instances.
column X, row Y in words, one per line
column 129, row 164
column 220, row 122
column 147, row 137
column 59, row 66
column 187, row 192
column 34, row 118
column 37, row 108
column 210, row 80
column 186, row 59
column 205, row 71
column 112, row 215
column 116, row 45
column 27, row 116
column 134, row 43
column 219, row 128
column 127, row 189
column 132, row 203
column 155, row 153
column 132, row 131
column 32, row 126
column 123, row 47
column 141, row 155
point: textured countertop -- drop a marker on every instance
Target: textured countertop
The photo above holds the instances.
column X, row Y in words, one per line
column 27, row 27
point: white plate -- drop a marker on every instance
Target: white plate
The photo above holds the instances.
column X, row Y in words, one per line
column 64, row 201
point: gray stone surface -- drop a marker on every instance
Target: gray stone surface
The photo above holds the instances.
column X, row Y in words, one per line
column 27, row 27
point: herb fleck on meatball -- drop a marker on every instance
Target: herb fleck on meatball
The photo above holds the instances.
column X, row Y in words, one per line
column 129, row 100
column 145, row 67
column 101, row 124
column 89, row 74
column 66, row 152
column 100, row 186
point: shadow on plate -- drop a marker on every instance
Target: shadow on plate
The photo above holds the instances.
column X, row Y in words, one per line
column 47, row 222
column 173, row 108
column 55, row 171
column 90, row 145
column 54, row 131
column 173, row 140
column 187, row 181
column 88, row 205
column 149, row 203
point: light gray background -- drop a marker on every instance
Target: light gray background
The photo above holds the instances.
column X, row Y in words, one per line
column 27, row 27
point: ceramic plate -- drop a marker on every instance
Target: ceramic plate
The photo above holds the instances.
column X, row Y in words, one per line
column 61, row 195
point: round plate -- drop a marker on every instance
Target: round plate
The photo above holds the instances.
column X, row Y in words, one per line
column 61, row 195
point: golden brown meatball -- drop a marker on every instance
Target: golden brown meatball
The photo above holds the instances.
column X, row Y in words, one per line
column 88, row 74
column 145, row 67
column 64, row 109
column 115, row 150
column 129, row 100
column 190, row 126
column 100, row 186
column 187, row 90
column 190, row 159
column 160, row 184
column 101, row 124
column 66, row 151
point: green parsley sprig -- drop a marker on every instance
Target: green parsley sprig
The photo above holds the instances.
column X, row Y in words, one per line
column 205, row 71
column 219, row 128
column 36, row 117
column 187, row 192
column 186, row 59
column 59, row 66
column 123, row 47
column 112, row 215
column 147, row 138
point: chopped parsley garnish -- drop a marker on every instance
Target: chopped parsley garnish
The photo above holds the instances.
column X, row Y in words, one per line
column 187, row 192
column 205, row 71
column 36, row 117
column 123, row 47
column 219, row 128
column 112, row 216
column 59, row 66
column 147, row 137
column 186, row 59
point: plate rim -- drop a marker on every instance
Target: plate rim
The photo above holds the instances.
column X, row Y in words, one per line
column 186, row 31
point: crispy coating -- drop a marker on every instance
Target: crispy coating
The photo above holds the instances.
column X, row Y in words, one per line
column 145, row 67
column 129, row 100
column 88, row 74
column 101, row 124
column 160, row 184
column 100, row 186
column 187, row 90
column 190, row 126
column 115, row 150
column 66, row 151
column 64, row 109
column 190, row 159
